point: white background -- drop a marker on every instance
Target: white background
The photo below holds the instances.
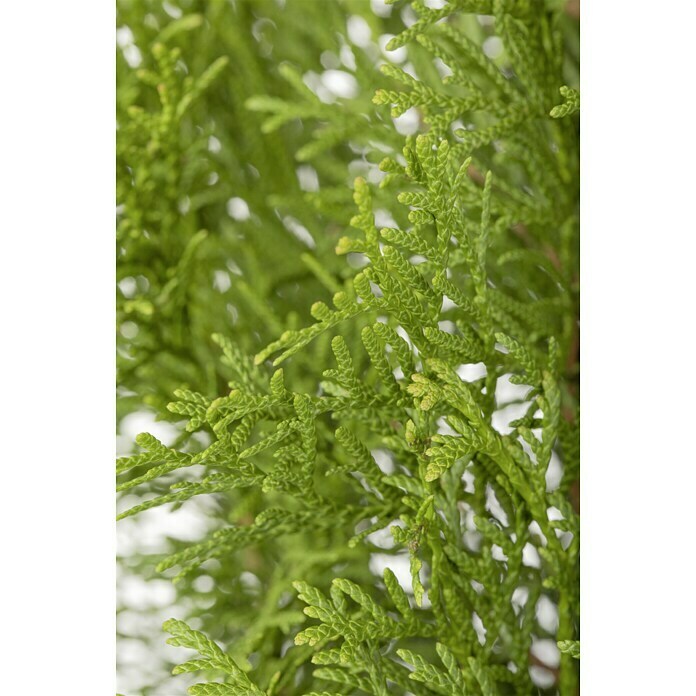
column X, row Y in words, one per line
column 57, row 368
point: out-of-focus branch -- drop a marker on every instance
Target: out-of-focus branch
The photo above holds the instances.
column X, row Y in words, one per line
column 572, row 9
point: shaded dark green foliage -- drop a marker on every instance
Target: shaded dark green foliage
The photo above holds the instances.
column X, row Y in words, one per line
column 330, row 311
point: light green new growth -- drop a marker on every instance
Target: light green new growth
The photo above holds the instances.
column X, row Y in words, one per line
column 368, row 341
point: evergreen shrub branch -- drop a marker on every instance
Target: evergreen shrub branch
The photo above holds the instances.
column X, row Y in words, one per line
column 366, row 338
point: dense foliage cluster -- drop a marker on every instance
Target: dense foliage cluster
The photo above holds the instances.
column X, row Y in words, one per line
column 348, row 273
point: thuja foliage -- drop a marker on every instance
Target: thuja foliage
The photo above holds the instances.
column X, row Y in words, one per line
column 348, row 274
